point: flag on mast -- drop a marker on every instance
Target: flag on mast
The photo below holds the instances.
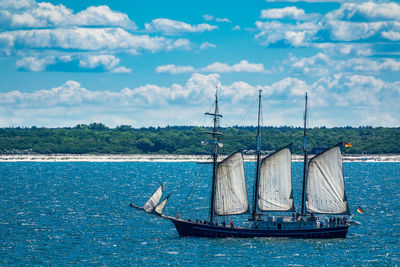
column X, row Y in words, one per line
column 360, row 210
column 347, row 145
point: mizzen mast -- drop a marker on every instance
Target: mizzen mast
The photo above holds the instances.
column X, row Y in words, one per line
column 305, row 157
column 257, row 178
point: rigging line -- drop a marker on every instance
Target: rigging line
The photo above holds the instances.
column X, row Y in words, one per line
column 203, row 118
column 251, row 106
column 191, row 190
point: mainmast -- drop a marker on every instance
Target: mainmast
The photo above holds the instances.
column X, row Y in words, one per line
column 257, row 178
column 215, row 143
column 305, row 156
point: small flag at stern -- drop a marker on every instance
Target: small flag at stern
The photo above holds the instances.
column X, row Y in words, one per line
column 360, row 210
column 347, row 145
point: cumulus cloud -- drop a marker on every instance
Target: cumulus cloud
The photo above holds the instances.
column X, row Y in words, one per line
column 223, row 20
column 173, row 69
column 391, row 35
column 173, row 27
column 366, row 11
column 236, row 28
column 217, row 67
column 242, row 66
column 32, row 15
column 351, row 31
column 356, row 21
column 35, row 64
column 86, row 39
column 208, row 17
column 93, row 61
column 72, row 102
column 297, row 35
column 121, row 69
column 290, row 12
column 346, row 49
column 43, row 34
column 322, row 65
column 86, row 61
column 352, row 90
column 206, row 45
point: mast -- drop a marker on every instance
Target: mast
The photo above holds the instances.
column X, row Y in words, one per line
column 257, row 178
column 215, row 135
column 305, row 156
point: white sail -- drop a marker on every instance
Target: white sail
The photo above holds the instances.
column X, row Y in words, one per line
column 154, row 199
column 230, row 189
column 325, row 183
column 159, row 208
column 275, row 182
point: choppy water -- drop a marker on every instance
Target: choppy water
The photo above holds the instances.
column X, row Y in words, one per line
column 77, row 213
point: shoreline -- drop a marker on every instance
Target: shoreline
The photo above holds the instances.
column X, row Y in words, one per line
column 167, row 158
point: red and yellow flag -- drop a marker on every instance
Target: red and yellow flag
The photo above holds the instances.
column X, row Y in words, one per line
column 347, row 145
column 360, row 210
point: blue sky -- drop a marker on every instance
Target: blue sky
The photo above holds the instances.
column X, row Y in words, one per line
column 157, row 63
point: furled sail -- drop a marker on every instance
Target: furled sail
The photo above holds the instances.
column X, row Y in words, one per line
column 275, row 182
column 159, row 208
column 325, row 183
column 230, row 189
column 154, row 199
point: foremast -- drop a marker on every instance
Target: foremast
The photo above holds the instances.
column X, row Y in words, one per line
column 257, row 178
column 215, row 141
column 305, row 157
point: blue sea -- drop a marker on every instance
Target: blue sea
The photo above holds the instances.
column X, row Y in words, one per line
column 70, row 213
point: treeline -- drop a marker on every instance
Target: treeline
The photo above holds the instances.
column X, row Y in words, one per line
column 96, row 138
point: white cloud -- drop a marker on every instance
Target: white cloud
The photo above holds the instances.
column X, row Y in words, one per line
column 211, row 18
column 103, row 16
column 356, row 21
column 183, row 44
column 121, row 69
column 280, row 13
column 366, row 11
column 44, row 34
column 351, row 31
column 346, row 49
column 352, row 90
column 173, row 27
column 288, row 86
column 86, row 39
column 33, row 15
column 93, row 61
column 296, row 35
column 242, row 66
column 173, row 69
column 86, row 61
column 35, row 64
column 291, row 12
column 206, row 45
column 361, row 100
column 217, row 67
column 208, row 17
column 12, row 4
column 236, row 28
column 391, row 35
column 324, row 65
column 223, row 20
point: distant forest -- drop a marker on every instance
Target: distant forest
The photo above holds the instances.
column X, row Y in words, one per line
column 96, row 138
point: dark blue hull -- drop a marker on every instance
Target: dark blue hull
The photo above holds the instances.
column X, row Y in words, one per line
column 186, row 228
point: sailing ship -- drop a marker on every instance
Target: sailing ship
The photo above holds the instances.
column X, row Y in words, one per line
column 324, row 208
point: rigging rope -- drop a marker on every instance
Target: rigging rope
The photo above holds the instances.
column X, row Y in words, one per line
column 190, row 191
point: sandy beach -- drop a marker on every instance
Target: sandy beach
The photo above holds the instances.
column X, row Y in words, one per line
column 165, row 158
